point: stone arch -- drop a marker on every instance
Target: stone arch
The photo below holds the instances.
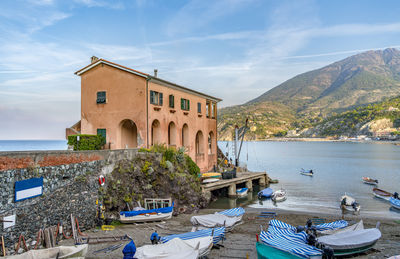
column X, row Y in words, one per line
column 172, row 134
column 155, row 133
column 199, row 143
column 211, row 142
column 129, row 134
column 185, row 135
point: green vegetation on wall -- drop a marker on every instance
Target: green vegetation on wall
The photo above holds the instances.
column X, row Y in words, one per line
column 86, row 142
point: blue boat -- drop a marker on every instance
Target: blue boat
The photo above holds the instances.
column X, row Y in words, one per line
column 242, row 192
column 395, row 203
column 266, row 193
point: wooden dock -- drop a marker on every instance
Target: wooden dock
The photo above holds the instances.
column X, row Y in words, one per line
column 242, row 177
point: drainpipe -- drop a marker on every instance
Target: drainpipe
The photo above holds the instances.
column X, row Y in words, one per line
column 147, row 111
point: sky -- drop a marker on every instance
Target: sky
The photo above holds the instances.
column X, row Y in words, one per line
column 232, row 49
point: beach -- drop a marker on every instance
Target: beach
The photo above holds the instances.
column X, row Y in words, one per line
column 240, row 243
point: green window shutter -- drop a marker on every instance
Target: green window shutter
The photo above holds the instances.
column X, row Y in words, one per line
column 151, row 97
column 188, row 105
column 160, row 96
column 101, row 97
column 102, row 132
column 182, row 103
column 199, row 107
column 171, row 101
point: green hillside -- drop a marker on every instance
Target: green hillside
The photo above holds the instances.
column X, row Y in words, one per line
column 311, row 97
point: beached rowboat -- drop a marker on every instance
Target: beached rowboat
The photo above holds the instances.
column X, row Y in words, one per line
column 54, row 252
column 369, row 180
column 210, row 180
column 379, row 193
column 146, row 215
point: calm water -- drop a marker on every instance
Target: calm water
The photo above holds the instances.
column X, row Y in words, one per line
column 338, row 168
column 28, row 145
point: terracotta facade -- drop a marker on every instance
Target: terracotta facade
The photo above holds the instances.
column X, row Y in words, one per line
column 133, row 109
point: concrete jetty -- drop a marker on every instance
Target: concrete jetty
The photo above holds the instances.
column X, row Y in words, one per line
column 242, row 177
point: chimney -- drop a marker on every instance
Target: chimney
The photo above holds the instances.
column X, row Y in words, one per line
column 155, row 72
column 93, row 59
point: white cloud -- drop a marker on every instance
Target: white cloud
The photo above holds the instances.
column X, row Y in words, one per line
column 119, row 5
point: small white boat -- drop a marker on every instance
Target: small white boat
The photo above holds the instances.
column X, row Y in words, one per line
column 349, row 203
column 54, row 252
column 241, row 192
column 369, row 180
column 308, row 172
column 210, row 180
column 279, row 195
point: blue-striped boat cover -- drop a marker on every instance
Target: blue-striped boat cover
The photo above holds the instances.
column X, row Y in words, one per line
column 395, row 202
column 235, row 212
column 332, row 225
column 139, row 212
column 290, row 243
column 219, row 234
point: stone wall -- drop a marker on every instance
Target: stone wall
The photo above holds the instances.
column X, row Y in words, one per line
column 70, row 186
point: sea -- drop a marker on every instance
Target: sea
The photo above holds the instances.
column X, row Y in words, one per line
column 338, row 169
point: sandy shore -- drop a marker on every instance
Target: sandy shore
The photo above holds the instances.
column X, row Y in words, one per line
column 241, row 241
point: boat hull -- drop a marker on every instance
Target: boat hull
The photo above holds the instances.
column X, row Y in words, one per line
column 279, row 196
column 145, row 217
column 266, row 193
column 395, row 203
column 265, row 251
column 308, row 174
column 242, row 192
column 381, row 194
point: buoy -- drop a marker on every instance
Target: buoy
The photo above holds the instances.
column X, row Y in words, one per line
column 102, row 180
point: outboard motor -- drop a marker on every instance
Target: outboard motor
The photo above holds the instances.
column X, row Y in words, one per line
column 395, row 195
column 354, row 205
column 309, row 223
column 311, row 239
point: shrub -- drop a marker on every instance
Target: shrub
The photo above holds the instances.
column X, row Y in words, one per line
column 86, row 142
column 192, row 166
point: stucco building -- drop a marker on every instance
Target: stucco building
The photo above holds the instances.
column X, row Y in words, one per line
column 134, row 109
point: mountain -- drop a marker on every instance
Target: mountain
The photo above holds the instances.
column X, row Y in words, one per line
column 310, row 97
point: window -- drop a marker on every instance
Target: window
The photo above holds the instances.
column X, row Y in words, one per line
column 171, row 101
column 185, row 104
column 102, row 132
column 101, row 97
column 199, row 107
column 208, row 109
column 156, row 98
column 214, row 110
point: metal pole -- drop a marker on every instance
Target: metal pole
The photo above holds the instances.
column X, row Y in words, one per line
column 236, row 148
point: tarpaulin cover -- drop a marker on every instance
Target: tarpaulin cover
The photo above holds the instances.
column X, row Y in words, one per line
column 351, row 239
column 214, row 220
column 174, row 249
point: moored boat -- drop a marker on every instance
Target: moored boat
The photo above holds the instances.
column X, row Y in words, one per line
column 227, row 218
column 54, row 252
column 379, row 193
column 241, row 192
column 395, row 201
column 307, row 172
column 266, row 193
column 369, row 180
column 349, row 203
column 279, row 195
column 211, row 175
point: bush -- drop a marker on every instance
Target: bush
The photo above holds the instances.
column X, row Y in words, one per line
column 192, row 166
column 86, row 142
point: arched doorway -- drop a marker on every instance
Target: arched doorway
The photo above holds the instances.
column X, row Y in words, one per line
column 185, row 135
column 155, row 133
column 211, row 143
column 199, row 143
column 128, row 134
column 171, row 134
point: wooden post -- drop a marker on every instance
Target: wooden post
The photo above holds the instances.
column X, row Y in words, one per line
column 73, row 227
column 3, row 246
column 47, row 240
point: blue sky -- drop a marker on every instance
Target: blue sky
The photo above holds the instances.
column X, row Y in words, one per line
column 232, row 49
